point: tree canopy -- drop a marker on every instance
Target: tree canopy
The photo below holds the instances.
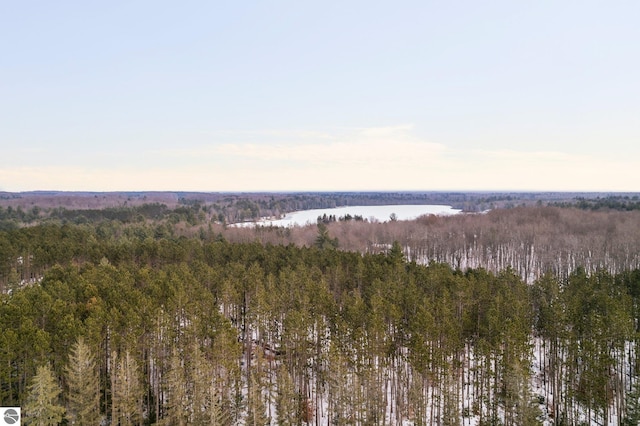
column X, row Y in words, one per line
column 165, row 329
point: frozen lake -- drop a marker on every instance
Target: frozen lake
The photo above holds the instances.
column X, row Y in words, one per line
column 370, row 213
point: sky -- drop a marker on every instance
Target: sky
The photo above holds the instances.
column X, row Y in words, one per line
column 320, row 96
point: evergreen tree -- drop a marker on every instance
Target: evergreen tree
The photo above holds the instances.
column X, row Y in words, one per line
column 341, row 407
column 286, row 400
column 42, row 406
column 632, row 415
column 417, row 400
column 84, row 387
column 323, row 240
column 256, row 408
column 396, row 254
column 177, row 405
column 214, row 413
column 126, row 391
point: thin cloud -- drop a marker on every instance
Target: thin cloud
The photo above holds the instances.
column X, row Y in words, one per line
column 547, row 170
column 372, row 147
column 381, row 158
column 525, row 155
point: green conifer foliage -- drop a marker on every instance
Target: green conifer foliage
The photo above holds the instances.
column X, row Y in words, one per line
column 84, row 387
column 177, row 405
column 632, row 415
column 256, row 407
column 286, row 400
column 42, row 407
column 127, row 392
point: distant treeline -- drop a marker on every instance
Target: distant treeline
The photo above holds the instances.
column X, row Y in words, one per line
column 231, row 208
column 199, row 208
column 614, row 202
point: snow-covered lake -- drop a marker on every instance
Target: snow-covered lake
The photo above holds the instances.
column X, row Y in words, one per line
column 370, row 213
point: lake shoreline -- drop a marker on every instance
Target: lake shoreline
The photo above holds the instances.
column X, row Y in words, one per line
column 371, row 214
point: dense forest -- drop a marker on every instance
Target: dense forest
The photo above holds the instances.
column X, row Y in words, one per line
column 620, row 202
column 533, row 236
column 157, row 316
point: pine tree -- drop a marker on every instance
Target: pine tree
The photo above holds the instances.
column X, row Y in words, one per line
column 417, row 400
column 214, row 413
column 126, row 391
column 632, row 415
column 42, row 405
column 209, row 408
column 286, row 400
column 84, row 386
column 396, row 254
column 520, row 404
column 177, row 391
column 323, row 240
column 341, row 409
column 256, row 408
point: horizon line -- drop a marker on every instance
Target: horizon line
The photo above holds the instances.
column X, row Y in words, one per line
column 320, row 191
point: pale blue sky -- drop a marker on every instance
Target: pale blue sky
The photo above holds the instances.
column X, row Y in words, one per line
column 296, row 95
